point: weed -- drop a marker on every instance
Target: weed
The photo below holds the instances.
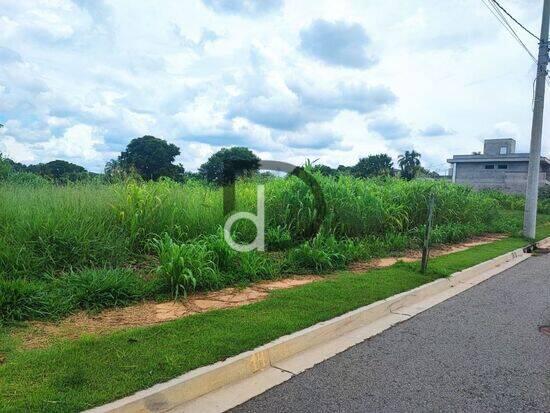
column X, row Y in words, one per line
column 183, row 267
column 93, row 290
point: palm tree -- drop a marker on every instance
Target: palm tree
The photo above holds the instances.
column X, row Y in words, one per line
column 409, row 164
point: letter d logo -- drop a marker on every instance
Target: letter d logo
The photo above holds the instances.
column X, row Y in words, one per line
column 258, row 220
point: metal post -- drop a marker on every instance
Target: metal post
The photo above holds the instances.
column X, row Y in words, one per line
column 532, row 194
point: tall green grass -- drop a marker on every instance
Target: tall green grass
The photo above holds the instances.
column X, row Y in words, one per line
column 49, row 233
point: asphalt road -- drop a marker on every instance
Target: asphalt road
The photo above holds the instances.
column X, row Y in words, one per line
column 479, row 351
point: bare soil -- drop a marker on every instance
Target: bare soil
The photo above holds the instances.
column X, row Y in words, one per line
column 39, row 334
column 412, row 256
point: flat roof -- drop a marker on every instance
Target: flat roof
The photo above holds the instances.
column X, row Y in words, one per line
column 514, row 157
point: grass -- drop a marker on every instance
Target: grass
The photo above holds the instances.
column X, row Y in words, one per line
column 75, row 375
column 168, row 237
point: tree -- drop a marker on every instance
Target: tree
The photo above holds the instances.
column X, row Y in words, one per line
column 324, row 170
column 373, row 165
column 426, row 173
column 228, row 164
column 59, row 171
column 344, row 170
column 16, row 166
column 409, row 164
column 151, row 158
column 5, row 167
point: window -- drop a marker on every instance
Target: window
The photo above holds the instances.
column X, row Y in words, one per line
column 489, row 166
column 503, row 167
column 503, row 150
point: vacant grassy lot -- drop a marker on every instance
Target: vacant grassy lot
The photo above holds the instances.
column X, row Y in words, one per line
column 92, row 246
column 74, row 375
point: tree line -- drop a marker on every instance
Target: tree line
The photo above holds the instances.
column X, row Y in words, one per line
column 151, row 158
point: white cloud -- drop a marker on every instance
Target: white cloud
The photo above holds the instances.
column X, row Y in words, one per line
column 337, row 43
column 80, row 79
column 436, row 130
column 244, row 7
column 78, row 141
column 390, row 128
column 15, row 150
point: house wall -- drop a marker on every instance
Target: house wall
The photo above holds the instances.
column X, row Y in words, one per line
column 513, row 179
column 492, row 146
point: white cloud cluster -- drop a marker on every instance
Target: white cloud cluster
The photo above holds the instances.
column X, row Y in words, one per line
column 244, row 7
column 337, row 43
column 292, row 80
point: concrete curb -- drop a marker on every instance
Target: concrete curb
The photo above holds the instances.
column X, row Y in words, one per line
column 275, row 362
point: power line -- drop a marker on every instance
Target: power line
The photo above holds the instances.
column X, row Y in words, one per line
column 502, row 20
column 495, row 11
column 516, row 36
column 515, row 20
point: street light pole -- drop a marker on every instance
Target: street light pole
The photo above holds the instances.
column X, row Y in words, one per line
column 532, row 194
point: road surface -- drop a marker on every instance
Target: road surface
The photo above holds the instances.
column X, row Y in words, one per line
column 478, row 351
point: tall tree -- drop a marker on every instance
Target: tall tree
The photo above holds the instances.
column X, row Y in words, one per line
column 151, row 158
column 228, row 164
column 409, row 163
column 374, row 165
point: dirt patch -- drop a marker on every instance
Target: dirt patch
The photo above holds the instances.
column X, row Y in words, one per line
column 39, row 334
column 412, row 256
column 42, row 334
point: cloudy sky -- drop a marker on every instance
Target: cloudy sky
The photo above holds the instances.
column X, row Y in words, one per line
column 294, row 79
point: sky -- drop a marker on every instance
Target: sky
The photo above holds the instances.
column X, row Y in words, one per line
column 323, row 80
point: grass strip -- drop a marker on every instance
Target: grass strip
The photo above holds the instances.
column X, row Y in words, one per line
column 76, row 375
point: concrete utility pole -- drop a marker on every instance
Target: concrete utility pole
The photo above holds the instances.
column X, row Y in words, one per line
column 532, row 195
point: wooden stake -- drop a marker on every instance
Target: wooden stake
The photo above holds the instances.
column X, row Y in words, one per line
column 426, row 247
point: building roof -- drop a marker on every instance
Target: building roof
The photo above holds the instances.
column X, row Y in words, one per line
column 513, row 157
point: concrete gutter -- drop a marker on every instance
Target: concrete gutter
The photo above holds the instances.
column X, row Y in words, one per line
column 228, row 383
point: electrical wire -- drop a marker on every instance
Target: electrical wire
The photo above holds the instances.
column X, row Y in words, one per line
column 515, row 20
column 502, row 20
column 495, row 10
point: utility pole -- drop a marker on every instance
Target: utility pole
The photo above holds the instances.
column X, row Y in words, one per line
column 532, row 194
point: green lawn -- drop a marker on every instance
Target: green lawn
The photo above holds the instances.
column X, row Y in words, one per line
column 75, row 375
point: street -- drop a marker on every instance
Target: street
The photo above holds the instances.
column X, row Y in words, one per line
column 478, row 351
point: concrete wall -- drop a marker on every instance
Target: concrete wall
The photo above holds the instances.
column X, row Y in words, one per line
column 492, row 146
column 512, row 180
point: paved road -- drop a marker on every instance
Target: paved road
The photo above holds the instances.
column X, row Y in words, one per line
column 478, row 351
